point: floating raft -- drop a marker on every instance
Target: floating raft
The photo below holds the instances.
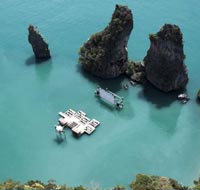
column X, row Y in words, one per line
column 77, row 122
column 110, row 97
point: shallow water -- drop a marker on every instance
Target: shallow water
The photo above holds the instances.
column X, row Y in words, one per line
column 153, row 134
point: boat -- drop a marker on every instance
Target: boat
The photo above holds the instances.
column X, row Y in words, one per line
column 125, row 86
column 182, row 96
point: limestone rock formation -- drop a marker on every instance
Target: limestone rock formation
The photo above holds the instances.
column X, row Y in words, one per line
column 40, row 47
column 164, row 62
column 105, row 53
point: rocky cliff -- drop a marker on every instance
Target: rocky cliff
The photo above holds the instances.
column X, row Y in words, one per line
column 105, row 53
column 40, row 47
column 164, row 62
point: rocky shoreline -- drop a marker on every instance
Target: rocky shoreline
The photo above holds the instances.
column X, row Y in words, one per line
column 142, row 182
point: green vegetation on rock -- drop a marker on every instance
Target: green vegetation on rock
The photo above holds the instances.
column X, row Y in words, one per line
column 142, row 182
column 136, row 71
column 105, row 54
column 197, row 184
column 147, row 182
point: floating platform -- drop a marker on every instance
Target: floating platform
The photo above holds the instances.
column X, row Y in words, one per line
column 110, row 97
column 77, row 122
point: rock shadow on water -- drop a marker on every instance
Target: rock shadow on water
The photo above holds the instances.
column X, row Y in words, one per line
column 161, row 114
column 197, row 101
column 166, row 120
column 113, row 85
column 156, row 97
column 32, row 61
column 127, row 113
column 42, row 69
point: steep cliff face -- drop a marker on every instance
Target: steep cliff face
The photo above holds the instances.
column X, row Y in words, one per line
column 105, row 53
column 164, row 62
column 40, row 47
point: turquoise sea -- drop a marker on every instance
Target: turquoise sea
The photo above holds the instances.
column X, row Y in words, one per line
column 153, row 134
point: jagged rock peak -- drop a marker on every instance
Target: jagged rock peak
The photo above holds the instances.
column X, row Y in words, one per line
column 122, row 20
column 39, row 45
column 105, row 53
column 164, row 62
column 172, row 33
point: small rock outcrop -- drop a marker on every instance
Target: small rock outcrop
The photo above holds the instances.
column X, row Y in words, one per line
column 105, row 53
column 136, row 71
column 164, row 62
column 40, row 47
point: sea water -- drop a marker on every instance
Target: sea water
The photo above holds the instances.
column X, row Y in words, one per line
column 152, row 134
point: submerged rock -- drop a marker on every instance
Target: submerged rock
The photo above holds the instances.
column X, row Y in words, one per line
column 40, row 47
column 164, row 62
column 105, row 53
